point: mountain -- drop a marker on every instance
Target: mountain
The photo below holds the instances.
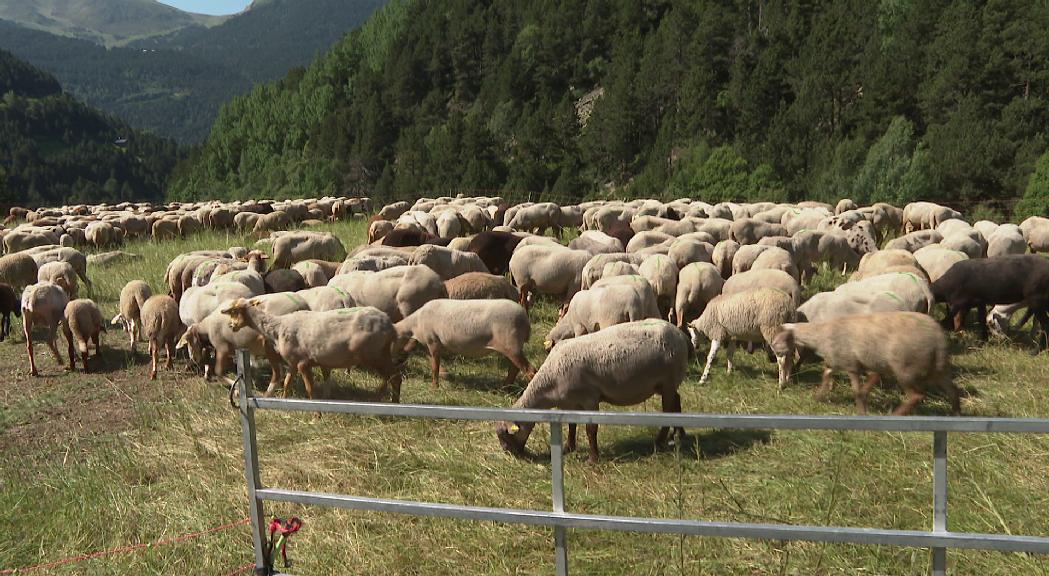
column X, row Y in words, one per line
column 106, row 22
column 271, row 36
column 943, row 100
column 55, row 150
column 174, row 85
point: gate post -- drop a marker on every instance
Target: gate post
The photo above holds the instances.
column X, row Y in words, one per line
column 251, row 461
column 939, row 499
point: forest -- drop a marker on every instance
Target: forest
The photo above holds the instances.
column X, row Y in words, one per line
column 55, row 150
column 716, row 99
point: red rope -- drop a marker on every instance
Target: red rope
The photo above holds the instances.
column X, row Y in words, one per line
column 242, row 569
column 122, row 549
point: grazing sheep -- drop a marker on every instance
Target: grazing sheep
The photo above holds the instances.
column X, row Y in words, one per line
column 698, row 283
column 685, row 251
column 1005, row 241
column 888, row 260
column 597, row 242
column 936, row 260
column 749, row 231
column 909, row 347
column 447, row 263
column 751, row 316
column 481, row 286
column 623, row 365
column 62, row 274
column 834, row 249
column 845, row 205
column 469, row 328
column 77, row 259
column 662, row 274
column 325, row 298
column 913, row 241
column 643, row 240
column 912, row 290
column 250, row 278
column 107, row 258
column 600, row 307
column 968, row 242
column 161, row 327
column 754, row 279
column 724, row 255
column 9, row 304
column 132, row 296
column 1034, row 229
column 397, row 291
column 316, row 272
column 43, row 304
column 343, row 338
column 199, row 301
column 83, row 324
column 18, row 270
column 537, row 218
column 552, row 270
column 302, row 245
column 776, row 259
column 284, row 280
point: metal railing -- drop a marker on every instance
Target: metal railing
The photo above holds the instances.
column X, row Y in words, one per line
column 938, row 540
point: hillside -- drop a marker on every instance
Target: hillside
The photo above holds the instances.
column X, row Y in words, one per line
column 106, row 22
column 55, row 150
column 175, row 86
column 879, row 101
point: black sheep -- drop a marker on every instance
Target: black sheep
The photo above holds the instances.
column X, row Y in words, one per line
column 494, row 249
column 982, row 282
column 9, row 303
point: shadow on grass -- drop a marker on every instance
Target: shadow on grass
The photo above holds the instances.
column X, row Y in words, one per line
column 706, row 445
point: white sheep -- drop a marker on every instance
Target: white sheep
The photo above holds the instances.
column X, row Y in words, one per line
column 132, row 296
column 43, row 304
column 552, row 270
column 161, row 327
column 342, row 338
column 396, row 291
column 62, row 274
column 83, row 325
column 662, row 274
column 698, row 283
column 623, row 365
column 469, row 328
column 600, row 307
column 751, row 316
column 446, row 262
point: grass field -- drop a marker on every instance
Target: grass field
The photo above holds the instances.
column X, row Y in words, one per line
column 109, row 459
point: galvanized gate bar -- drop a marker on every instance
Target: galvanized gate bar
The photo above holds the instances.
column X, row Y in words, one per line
column 939, row 500
column 658, row 419
column 251, row 458
column 839, row 535
column 557, row 490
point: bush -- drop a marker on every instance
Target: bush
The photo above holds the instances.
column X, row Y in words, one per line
column 1036, row 198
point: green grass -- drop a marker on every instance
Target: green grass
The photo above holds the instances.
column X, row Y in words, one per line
column 109, row 459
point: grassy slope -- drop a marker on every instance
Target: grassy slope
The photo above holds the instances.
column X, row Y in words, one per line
column 109, row 459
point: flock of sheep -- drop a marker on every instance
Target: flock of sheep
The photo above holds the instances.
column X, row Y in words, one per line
column 641, row 288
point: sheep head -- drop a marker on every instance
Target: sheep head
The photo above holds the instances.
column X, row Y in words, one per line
column 783, row 343
column 238, row 313
column 512, row 437
column 190, row 340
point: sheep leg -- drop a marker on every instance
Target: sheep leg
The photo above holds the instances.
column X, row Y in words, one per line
column 730, row 349
column 826, row 385
column 570, row 444
column 982, row 319
column 591, row 437
column 169, row 352
column 27, row 327
column 394, row 382
column 518, row 364
column 154, row 356
column 911, row 399
column 959, row 317
column 69, row 347
column 292, row 368
column 307, row 378
column 671, row 404
column 783, row 363
column 54, row 347
column 435, row 367
column 5, row 326
column 710, row 359
column 276, row 365
column 858, row 393
column 97, row 338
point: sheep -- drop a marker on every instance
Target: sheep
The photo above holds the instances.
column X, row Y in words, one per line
column 834, row 249
column 597, row 242
column 970, row 243
column 698, row 283
column 1005, row 241
column 470, row 328
column 595, row 267
column 643, row 240
column 936, row 260
column 598, row 308
column 724, row 255
column 132, row 296
column 316, row 272
column 75, row 258
column 397, row 291
column 845, row 205
column 9, row 304
column 495, row 249
column 60, row 273
column 825, row 306
column 342, row 338
column 107, row 258
column 161, row 327
column 889, row 260
column 301, row 245
column 1034, row 229
column 751, row 316
column 447, row 263
column 250, row 278
column 915, row 240
column 686, row 250
column 537, row 218
column 199, row 301
column 325, row 298
column 754, row 279
column 83, row 324
column 749, row 231
column 619, row 269
column 910, row 347
column 623, row 365
column 983, row 282
column 18, row 270
column 481, row 286
column 552, row 270
column 776, row 259
column 42, row 304
column 662, row 274
column 284, row 280
column 911, row 289
column 370, row 263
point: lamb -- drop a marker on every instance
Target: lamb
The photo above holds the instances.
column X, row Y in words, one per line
column 446, row 262
column 623, row 365
column 342, row 338
column 598, row 308
column 662, row 274
column 907, row 346
column 553, row 270
column 8, row 304
column 83, row 324
column 698, row 283
column 60, row 273
column 398, row 291
column 18, row 270
column 161, row 327
column 43, row 304
column 471, row 328
column 481, row 286
column 751, row 316
column 132, row 296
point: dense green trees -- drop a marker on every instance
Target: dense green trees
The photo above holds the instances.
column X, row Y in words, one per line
column 55, row 150
column 720, row 99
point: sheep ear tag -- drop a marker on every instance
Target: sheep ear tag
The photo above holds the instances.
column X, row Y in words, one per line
column 514, row 429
